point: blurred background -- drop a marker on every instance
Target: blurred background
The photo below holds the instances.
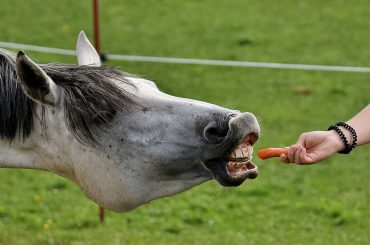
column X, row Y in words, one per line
column 326, row 203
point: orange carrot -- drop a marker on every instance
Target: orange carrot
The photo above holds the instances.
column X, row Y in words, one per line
column 271, row 152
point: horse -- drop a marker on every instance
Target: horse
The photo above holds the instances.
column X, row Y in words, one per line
column 114, row 134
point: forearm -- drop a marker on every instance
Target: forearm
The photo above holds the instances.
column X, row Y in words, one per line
column 361, row 123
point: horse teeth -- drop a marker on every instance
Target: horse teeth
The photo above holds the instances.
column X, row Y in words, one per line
column 235, row 165
column 232, row 164
column 247, row 151
column 244, row 152
column 238, row 153
column 233, row 154
column 241, row 152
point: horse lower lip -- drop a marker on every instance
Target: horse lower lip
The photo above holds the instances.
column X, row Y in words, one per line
column 225, row 177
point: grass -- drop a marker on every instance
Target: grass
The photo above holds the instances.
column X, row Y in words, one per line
column 325, row 203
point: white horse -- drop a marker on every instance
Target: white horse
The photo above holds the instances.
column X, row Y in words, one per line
column 116, row 135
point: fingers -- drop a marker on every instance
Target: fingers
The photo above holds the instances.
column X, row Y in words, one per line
column 296, row 154
column 291, row 153
column 284, row 158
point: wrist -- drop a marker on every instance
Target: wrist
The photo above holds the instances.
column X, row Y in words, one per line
column 336, row 142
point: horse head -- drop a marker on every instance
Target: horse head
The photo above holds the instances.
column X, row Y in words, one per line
column 116, row 135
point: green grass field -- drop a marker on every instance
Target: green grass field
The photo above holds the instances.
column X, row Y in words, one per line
column 326, row 203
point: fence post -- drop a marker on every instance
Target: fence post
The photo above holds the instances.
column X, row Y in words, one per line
column 95, row 4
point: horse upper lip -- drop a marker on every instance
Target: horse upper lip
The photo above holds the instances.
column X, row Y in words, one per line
column 244, row 126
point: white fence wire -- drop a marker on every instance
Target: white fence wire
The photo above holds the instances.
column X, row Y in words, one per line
column 192, row 61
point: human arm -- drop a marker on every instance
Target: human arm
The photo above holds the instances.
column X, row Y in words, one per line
column 315, row 146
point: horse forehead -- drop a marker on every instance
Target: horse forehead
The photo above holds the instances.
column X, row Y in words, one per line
column 148, row 91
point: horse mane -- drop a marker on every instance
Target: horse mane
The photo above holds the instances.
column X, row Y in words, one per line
column 90, row 99
column 16, row 109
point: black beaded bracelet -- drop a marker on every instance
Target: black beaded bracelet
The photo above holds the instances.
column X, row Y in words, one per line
column 348, row 147
column 351, row 130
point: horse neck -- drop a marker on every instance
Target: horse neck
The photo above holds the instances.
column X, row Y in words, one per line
column 18, row 155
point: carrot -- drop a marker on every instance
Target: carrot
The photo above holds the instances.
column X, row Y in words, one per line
column 271, row 152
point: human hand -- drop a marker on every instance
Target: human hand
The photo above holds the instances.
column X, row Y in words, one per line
column 313, row 147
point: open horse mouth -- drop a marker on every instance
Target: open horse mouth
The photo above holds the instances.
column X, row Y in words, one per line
column 235, row 167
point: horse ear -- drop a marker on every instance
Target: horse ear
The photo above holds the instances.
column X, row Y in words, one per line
column 86, row 53
column 34, row 81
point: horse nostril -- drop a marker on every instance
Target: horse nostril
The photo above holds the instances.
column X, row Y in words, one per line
column 215, row 133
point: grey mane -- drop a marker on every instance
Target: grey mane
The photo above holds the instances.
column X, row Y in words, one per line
column 90, row 99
